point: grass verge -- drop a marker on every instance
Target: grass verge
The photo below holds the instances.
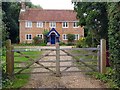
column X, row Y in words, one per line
column 105, row 78
column 20, row 80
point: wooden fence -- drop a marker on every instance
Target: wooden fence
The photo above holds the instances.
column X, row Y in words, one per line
column 101, row 56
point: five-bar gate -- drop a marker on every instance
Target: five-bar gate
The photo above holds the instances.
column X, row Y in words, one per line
column 79, row 60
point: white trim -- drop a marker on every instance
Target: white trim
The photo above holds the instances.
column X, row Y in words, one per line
column 49, row 21
column 66, row 23
column 51, row 24
column 65, row 37
column 78, row 36
column 28, row 38
column 53, row 32
column 39, row 24
column 28, row 24
column 39, row 34
column 75, row 24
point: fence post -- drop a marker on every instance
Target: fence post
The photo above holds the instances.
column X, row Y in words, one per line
column 9, row 60
column 103, row 56
column 98, row 57
column 12, row 59
column 57, row 60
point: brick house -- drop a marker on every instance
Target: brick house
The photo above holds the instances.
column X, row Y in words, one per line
column 34, row 21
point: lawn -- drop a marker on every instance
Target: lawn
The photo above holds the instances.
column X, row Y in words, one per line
column 87, row 57
column 21, row 79
column 106, row 78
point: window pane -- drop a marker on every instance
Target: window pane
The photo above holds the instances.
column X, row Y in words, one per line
column 30, row 37
column 66, row 24
column 26, row 36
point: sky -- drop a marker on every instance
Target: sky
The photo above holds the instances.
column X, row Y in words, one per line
column 54, row 4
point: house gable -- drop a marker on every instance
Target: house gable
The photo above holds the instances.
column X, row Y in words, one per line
column 53, row 31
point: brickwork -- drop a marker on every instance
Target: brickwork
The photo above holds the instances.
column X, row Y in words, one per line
column 47, row 16
column 34, row 30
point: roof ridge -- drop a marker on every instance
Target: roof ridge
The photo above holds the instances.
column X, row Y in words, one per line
column 50, row 9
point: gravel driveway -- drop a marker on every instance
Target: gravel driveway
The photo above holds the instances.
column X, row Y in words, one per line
column 67, row 80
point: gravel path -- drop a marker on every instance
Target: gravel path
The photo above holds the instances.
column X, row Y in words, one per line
column 67, row 80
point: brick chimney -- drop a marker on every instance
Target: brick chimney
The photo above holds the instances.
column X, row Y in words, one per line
column 23, row 6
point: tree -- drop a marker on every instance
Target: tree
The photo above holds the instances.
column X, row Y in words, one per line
column 103, row 19
column 93, row 16
column 11, row 18
column 114, row 39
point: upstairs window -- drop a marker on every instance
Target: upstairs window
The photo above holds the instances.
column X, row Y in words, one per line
column 28, row 24
column 40, row 35
column 76, row 36
column 65, row 24
column 52, row 24
column 28, row 36
column 75, row 25
column 39, row 24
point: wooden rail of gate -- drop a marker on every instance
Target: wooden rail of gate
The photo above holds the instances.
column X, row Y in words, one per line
column 10, row 58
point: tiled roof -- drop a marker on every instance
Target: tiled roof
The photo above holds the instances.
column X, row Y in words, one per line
column 48, row 15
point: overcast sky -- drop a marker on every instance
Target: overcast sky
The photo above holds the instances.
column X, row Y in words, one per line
column 54, row 4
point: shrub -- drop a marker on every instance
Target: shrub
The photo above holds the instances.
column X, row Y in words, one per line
column 45, row 37
column 71, row 38
column 37, row 40
column 114, row 39
column 81, row 43
column 62, row 43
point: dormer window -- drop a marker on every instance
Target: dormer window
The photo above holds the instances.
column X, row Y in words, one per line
column 65, row 24
column 52, row 24
column 75, row 24
column 39, row 24
column 28, row 24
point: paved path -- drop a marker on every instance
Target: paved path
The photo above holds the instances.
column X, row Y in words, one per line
column 67, row 80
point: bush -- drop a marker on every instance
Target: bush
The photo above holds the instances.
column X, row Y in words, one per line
column 71, row 38
column 37, row 40
column 70, row 44
column 62, row 43
column 45, row 37
column 81, row 43
column 114, row 39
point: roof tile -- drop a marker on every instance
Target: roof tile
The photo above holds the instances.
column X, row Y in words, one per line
column 48, row 15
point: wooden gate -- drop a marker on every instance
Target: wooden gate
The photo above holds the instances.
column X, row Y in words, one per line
column 95, row 61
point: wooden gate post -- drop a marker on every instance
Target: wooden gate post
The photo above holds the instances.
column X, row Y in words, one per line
column 9, row 59
column 103, row 56
column 12, row 60
column 57, row 60
column 98, row 58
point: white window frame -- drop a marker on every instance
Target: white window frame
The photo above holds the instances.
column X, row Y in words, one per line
column 38, row 35
column 28, row 36
column 66, row 24
column 75, row 24
column 78, row 36
column 52, row 24
column 28, row 24
column 39, row 24
column 65, row 37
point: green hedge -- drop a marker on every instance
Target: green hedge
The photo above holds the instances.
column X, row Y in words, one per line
column 114, row 39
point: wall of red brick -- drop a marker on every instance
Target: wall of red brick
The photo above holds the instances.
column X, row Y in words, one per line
column 34, row 30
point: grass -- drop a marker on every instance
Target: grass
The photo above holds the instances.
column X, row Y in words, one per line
column 21, row 79
column 30, row 44
column 90, row 60
column 105, row 78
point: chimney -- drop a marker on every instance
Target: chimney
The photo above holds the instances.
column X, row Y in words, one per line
column 23, row 7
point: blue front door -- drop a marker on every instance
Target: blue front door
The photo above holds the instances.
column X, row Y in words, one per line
column 52, row 38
